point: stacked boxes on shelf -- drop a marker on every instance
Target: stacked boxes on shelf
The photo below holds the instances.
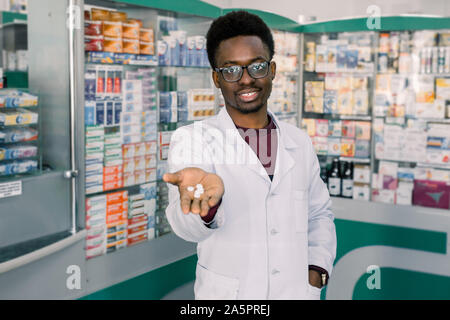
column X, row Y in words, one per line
column 282, row 100
column 139, row 163
column 346, row 138
column 398, row 184
column 112, row 37
column 343, row 95
column 418, row 52
column 361, row 182
column 176, row 48
column 18, row 132
column 181, row 106
column 106, row 223
column 119, row 219
column 350, row 52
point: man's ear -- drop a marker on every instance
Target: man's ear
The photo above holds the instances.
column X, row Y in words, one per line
column 215, row 77
column 273, row 69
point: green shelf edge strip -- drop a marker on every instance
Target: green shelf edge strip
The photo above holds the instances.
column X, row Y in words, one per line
column 193, row 7
column 8, row 17
column 394, row 23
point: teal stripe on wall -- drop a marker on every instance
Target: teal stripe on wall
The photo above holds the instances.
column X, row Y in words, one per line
column 152, row 285
column 396, row 284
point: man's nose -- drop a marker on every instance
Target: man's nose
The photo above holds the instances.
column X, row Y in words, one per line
column 246, row 78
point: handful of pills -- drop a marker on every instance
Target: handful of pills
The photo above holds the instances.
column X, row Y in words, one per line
column 198, row 190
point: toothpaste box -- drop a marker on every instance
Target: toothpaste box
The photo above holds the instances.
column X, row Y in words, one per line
column 95, row 221
column 95, row 202
column 117, row 226
column 136, row 211
column 116, row 236
column 136, row 230
column 137, row 221
column 137, row 239
column 114, row 184
column 95, row 242
column 124, row 58
column 94, row 188
column 100, row 57
column 99, row 231
column 111, row 247
column 95, row 252
column 117, row 212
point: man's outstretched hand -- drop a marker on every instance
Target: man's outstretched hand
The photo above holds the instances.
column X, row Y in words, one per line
column 189, row 177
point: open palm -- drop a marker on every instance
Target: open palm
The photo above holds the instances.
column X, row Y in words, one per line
column 189, row 177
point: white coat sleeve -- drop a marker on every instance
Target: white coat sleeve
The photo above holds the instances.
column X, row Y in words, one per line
column 186, row 150
column 321, row 228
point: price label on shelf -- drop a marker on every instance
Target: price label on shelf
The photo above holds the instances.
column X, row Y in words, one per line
column 10, row 189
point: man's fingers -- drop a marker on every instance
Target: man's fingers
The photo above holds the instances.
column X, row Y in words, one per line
column 195, row 207
column 185, row 202
column 204, row 207
column 172, row 178
column 213, row 200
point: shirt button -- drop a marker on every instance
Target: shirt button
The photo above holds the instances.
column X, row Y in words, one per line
column 275, row 271
column 273, row 232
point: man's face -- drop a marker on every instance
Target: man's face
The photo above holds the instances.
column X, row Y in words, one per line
column 247, row 95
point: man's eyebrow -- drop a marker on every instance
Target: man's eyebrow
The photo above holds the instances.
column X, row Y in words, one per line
column 253, row 60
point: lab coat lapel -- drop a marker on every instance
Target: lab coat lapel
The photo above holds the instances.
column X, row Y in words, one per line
column 242, row 151
column 285, row 160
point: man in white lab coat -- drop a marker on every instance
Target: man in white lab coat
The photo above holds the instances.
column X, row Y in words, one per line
column 245, row 186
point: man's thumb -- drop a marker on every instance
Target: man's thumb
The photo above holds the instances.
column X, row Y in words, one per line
column 172, row 178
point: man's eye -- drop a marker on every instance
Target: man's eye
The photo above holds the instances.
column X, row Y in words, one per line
column 257, row 66
column 233, row 69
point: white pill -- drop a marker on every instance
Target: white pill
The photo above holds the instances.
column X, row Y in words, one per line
column 199, row 186
column 190, row 189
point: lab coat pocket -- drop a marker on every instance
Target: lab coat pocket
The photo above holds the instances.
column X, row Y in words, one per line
column 213, row 286
column 313, row 292
column 301, row 210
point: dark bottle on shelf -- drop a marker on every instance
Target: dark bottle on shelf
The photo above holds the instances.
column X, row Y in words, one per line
column 334, row 178
column 347, row 180
column 324, row 171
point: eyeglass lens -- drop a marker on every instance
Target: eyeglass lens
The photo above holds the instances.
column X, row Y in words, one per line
column 255, row 70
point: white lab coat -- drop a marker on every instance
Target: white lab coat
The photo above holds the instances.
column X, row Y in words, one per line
column 265, row 233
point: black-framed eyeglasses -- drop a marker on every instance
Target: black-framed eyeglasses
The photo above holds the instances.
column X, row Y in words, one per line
column 256, row 70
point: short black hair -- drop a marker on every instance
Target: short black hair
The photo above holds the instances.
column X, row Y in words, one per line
column 233, row 24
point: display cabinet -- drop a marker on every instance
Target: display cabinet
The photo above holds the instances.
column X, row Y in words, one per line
column 379, row 99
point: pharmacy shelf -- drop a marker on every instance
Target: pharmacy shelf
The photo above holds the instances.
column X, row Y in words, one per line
column 331, row 116
column 418, row 164
column 354, row 159
column 434, row 166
